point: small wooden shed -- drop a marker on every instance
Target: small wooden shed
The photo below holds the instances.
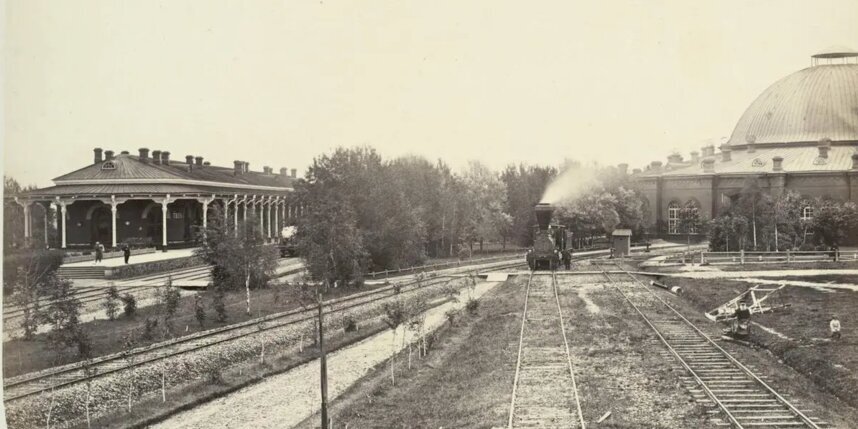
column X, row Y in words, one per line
column 621, row 242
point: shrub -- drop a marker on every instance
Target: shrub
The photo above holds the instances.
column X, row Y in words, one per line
column 111, row 303
column 217, row 303
column 129, row 305
column 349, row 324
column 40, row 264
column 472, row 305
column 199, row 310
column 149, row 329
column 450, row 315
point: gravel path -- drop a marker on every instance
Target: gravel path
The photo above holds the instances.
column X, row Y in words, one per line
column 285, row 400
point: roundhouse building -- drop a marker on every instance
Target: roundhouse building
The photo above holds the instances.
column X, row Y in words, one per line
column 800, row 134
column 154, row 199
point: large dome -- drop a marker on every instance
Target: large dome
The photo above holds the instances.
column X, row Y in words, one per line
column 806, row 106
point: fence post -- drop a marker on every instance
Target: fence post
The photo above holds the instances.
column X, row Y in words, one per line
column 702, row 258
column 836, row 255
column 742, row 256
column 789, row 259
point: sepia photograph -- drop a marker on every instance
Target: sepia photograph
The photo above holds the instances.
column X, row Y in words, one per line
column 302, row 214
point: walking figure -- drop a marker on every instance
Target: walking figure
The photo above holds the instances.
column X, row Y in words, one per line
column 126, row 251
column 99, row 252
column 834, row 325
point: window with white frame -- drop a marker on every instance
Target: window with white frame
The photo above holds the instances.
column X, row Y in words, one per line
column 807, row 213
column 673, row 218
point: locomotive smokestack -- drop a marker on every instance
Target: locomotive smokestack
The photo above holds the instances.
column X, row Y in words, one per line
column 543, row 215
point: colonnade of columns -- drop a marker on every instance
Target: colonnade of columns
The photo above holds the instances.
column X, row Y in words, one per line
column 273, row 212
column 270, row 224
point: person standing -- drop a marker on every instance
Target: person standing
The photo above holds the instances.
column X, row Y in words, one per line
column 99, row 252
column 834, row 325
column 126, row 251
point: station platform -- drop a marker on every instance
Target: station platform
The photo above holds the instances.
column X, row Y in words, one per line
column 135, row 259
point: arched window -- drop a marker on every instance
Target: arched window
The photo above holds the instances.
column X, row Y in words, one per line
column 807, row 213
column 673, row 218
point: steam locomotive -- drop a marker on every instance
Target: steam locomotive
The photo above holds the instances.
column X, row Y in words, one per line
column 549, row 241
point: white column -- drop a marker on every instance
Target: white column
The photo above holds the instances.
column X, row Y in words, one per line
column 205, row 214
column 113, row 223
column 261, row 220
column 164, row 224
column 277, row 228
column 244, row 212
column 235, row 220
column 27, row 232
column 63, row 222
column 268, row 217
column 47, row 207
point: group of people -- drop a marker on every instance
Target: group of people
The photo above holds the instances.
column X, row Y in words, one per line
column 99, row 252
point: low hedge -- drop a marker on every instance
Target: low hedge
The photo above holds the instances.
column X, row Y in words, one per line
column 155, row 267
column 36, row 261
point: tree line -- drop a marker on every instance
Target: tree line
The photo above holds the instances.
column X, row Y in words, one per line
column 757, row 220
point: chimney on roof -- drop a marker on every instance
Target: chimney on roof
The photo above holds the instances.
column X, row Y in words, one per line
column 189, row 159
column 199, row 161
column 246, row 167
column 156, row 157
column 96, row 155
column 695, row 156
column 284, row 172
column 708, row 150
column 636, row 171
column 624, row 168
column 674, row 158
column 165, row 157
column 238, row 167
column 824, row 147
column 266, row 169
column 777, row 163
column 294, row 173
column 124, row 152
column 144, row 154
column 708, row 165
column 855, row 161
column 207, row 163
column 725, row 152
column 108, row 155
column 655, row 166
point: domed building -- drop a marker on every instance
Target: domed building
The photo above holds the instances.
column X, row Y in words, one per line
column 800, row 134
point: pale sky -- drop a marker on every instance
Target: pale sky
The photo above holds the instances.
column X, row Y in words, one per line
column 279, row 82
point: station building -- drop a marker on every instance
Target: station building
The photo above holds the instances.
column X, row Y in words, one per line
column 800, row 134
column 154, row 200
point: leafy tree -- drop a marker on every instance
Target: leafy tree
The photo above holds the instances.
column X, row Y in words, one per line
column 395, row 314
column 525, row 186
column 833, row 220
column 199, row 310
column 63, row 314
column 129, row 304
column 689, row 221
column 111, row 303
column 240, row 259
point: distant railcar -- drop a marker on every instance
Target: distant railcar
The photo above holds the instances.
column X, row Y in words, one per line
column 549, row 241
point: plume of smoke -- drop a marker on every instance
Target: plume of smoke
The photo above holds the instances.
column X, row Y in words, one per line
column 573, row 181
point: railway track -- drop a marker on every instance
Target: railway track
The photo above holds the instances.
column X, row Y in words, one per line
column 38, row 382
column 741, row 397
column 92, row 294
column 544, row 393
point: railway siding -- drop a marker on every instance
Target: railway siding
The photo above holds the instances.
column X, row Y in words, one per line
column 110, row 390
column 713, row 376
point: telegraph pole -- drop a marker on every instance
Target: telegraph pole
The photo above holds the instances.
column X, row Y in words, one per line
column 323, row 366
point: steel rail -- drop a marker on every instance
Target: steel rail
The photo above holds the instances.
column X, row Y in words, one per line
column 411, row 287
column 205, row 334
column 730, row 357
column 675, row 354
column 568, row 354
column 520, row 346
